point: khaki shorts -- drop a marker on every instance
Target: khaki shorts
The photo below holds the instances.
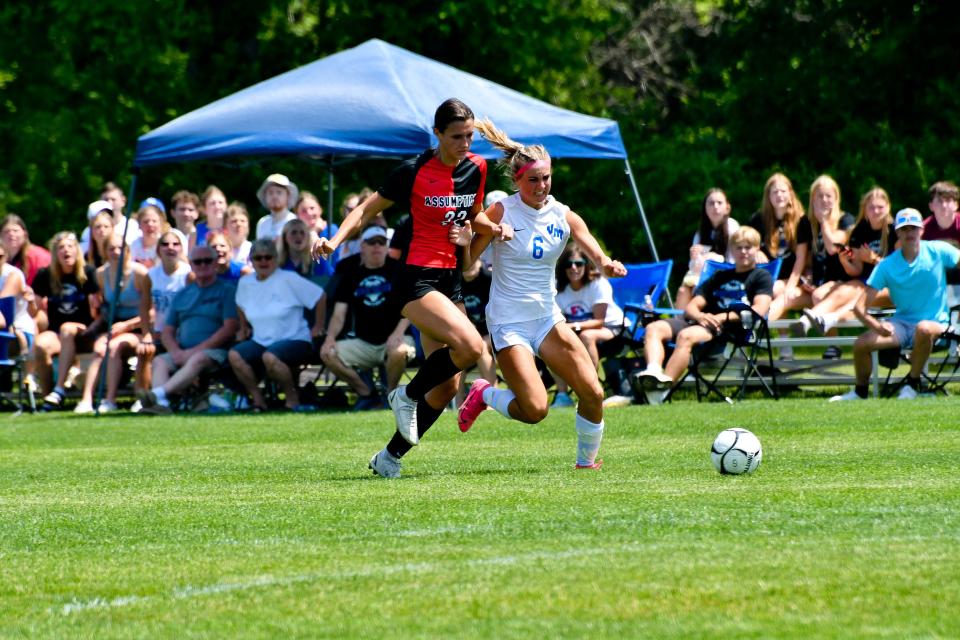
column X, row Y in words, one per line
column 361, row 354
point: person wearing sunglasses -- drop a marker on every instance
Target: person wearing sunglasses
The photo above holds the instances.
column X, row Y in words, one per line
column 532, row 229
column 199, row 326
column 276, row 339
column 442, row 187
column 586, row 300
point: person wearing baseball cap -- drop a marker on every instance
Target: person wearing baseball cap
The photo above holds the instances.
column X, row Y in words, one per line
column 916, row 277
column 276, row 194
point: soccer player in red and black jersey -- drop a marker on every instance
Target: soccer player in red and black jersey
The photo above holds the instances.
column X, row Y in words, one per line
column 443, row 188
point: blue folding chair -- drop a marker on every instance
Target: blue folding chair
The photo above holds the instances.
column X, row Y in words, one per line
column 14, row 363
column 638, row 294
column 710, row 267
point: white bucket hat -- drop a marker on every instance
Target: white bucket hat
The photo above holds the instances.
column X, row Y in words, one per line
column 281, row 181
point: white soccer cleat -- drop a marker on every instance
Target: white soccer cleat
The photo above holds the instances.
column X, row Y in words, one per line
column 385, row 465
column 849, row 395
column 405, row 414
column 907, row 393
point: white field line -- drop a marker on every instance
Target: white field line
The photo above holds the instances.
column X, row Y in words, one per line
column 257, row 582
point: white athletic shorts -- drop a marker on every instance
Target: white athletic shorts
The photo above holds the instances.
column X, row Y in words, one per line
column 529, row 334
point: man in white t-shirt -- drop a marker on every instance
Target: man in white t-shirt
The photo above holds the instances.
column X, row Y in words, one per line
column 277, row 194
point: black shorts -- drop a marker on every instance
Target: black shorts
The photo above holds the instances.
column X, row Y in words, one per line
column 414, row 282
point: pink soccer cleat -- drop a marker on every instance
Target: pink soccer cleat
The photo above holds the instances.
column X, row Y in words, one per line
column 473, row 405
column 595, row 465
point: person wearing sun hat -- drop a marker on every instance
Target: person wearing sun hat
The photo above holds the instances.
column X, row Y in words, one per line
column 276, row 194
column 916, row 277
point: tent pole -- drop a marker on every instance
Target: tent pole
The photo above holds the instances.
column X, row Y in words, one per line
column 105, row 363
column 330, row 190
column 643, row 219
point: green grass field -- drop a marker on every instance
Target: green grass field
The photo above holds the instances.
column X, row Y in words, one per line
column 272, row 526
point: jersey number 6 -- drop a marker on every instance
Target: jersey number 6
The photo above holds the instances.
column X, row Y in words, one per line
column 537, row 248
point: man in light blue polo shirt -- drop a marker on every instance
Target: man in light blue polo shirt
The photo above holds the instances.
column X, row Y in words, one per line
column 915, row 276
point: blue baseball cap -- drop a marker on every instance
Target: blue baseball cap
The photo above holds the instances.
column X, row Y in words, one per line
column 908, row 218
column 154, row 202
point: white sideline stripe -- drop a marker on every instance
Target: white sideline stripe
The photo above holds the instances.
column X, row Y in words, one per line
column 190, row 591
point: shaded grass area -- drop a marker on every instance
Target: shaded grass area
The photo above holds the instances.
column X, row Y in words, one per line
column 272, row 525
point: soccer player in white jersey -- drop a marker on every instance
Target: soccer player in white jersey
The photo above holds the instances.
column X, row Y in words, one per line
column 524, row 320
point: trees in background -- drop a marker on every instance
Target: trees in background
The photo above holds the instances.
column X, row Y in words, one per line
column 706, row 93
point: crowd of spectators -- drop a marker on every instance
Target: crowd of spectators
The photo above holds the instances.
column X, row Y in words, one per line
column 194, row 295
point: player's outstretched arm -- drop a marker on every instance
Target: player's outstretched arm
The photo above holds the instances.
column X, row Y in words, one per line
column 581, row 234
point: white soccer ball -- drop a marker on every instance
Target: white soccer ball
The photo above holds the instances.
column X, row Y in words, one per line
column 736, row 451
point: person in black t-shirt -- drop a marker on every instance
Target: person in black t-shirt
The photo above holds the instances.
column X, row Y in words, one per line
column 871, row 239
column 365, row 290
column 67, row 291
column 714, row 305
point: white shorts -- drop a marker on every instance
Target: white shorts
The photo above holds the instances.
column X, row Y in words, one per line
column 528, row 333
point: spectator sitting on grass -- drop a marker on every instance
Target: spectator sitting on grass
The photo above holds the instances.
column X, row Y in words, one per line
column 200, row 324
column 915, row 276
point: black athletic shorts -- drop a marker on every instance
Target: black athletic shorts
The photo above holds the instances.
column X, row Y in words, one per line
column 414, row 282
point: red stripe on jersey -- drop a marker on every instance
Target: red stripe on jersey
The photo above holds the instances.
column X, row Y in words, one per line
column 442, row 196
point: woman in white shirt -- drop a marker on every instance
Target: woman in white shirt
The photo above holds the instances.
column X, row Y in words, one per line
column 276, row 338
column 522, row 315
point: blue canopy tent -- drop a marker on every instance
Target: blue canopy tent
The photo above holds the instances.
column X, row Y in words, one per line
column 375, row 100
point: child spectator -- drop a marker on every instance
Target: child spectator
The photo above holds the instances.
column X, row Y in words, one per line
column 238, row 231
column 186, row 210
column 311, row 213
column 276, row 194
column 227, row 268
column 214, row 204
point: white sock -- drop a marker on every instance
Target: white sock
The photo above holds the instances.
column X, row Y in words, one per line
column 829, row 321
column 161, row 396
column 499, row 399
column 653, row 368
column 589, row 435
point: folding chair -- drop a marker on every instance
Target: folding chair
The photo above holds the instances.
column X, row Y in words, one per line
column 936, row 383
column 744, row 345
column 13, row 363
column 637, row 294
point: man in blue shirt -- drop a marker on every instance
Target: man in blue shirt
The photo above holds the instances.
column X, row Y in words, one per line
column 200, row 325
column 915, row 276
